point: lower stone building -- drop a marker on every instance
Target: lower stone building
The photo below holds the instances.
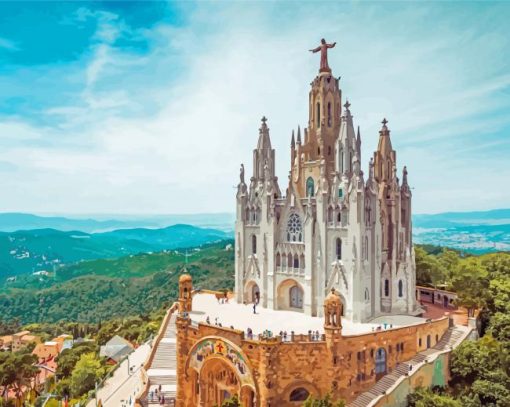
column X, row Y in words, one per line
column 268, row 359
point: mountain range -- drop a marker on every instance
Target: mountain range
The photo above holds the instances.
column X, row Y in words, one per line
column 31, row 243
column 29, row 251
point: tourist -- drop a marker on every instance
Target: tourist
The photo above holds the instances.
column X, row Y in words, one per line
column 254, row 307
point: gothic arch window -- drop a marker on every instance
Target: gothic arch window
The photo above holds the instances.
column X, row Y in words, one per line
column 341, row 160
column 278, row 260
column 367, row 294
column 310, row 187
column 329, row 114
column 318, row 115
column 294, row 228
column 338, row 247
column 330, row 214
column 386, row 288
column 302, row 261
column 296, row 261
column 253, row 244
column 247, row 215
column 289, row 260
column 339, row 217
column 329, row 150
column 400, row 288
column 299, row 394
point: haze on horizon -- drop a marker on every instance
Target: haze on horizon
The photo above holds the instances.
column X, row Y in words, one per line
column 149, row 108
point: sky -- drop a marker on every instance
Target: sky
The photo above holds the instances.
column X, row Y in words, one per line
column 150, row 107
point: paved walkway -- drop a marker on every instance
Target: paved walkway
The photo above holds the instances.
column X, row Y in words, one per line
column 122, row 387
column 241, row 317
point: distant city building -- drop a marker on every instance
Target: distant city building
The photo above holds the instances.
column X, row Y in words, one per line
column 116, row 349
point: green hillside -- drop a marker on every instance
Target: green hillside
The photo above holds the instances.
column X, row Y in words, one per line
column 96, row 290
column 26, row 252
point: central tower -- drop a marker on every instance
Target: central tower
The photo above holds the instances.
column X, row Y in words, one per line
column 332, row 229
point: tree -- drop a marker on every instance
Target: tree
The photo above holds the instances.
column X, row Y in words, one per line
column 323, row 402
column 425, row 397
column 470, row 282
column 85, row 374
column 429, row 271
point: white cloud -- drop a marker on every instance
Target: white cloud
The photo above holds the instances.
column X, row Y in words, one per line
column 165, row 132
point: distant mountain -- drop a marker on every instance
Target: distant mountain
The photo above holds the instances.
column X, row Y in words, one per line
column 10, row 222
column 453, row 219
column 474, row 232
column 24, row 252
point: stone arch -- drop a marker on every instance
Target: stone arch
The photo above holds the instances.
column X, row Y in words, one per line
column 290, row 295
column 251, row 292
column 219, row 364
column 300, row 384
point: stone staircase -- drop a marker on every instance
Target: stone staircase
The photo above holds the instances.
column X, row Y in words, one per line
column 162, row 373
column 451, row 338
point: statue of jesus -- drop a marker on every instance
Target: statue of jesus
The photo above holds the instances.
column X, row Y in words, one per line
column 323, row 48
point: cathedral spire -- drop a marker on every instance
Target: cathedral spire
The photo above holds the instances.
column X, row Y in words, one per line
column 264, row 140
column 358, row 143
column 404, row 175
column 298, row 134
column 292, row 141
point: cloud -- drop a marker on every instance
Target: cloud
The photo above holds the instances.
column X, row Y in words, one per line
column 8, row 45
column 164, row 131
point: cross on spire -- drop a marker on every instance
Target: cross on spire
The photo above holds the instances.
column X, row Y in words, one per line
column 384, row 122
column 347, row 104
column 264, row 119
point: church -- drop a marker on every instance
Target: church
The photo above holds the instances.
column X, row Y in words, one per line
column 334, row 226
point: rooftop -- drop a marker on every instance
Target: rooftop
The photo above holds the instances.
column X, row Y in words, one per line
column 241, row 317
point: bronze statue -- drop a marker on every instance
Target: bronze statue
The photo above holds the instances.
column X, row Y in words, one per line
column 323, row 48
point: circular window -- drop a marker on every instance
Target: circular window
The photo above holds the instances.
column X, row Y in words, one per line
column 294, row 228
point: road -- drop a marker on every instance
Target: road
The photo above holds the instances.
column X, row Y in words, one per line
column 120, row 389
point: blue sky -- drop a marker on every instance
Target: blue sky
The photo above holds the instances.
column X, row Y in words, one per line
column 149, row 107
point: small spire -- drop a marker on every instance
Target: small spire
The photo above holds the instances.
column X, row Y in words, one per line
column 292, row 142
column 404, row 176
column 384, row 123
column 298, row 134
column 358, row 140
column 347, row 104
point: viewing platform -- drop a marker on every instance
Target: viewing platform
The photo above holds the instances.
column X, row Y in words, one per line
column 241, row 317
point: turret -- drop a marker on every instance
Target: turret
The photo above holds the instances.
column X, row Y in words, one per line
column 185, row 289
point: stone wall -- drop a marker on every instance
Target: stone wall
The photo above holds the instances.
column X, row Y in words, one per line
column 342, row 365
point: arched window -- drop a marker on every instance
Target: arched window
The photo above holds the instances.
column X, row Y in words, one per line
column 289, row 260
column 386, row 288
column 428, row 341
column 318, row 115
column 329, row 150
column 296, row 261
column 253, row 244
column 380, row 362
column 329, row 114
column 278, row 260
column 341, row 160
column 330, row 214
column 400, row 288
column 302, row 261
column 338, row 249
column 367, row 294
column 310, row 187
column 294, row 228
column 299, row 394
column 366, row 247
column 339, row 217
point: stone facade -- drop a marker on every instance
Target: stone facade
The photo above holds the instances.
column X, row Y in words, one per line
column 334, row 227
column 215, row 363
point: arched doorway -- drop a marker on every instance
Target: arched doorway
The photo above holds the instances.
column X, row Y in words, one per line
column 290, row 295
column 380, row 363
column 218, row 382
column 252, row 292
column 296, row 297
